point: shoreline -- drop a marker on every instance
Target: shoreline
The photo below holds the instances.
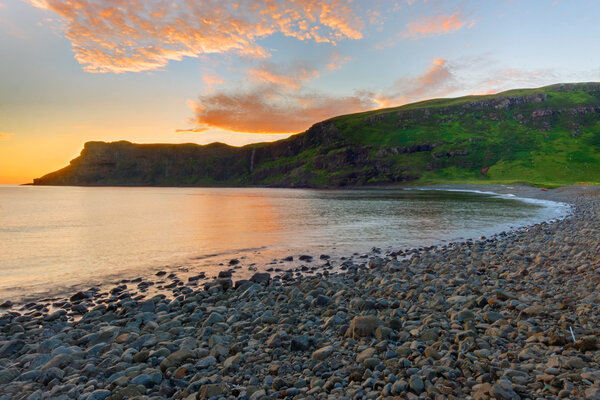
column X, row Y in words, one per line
column 254, row 262
column 483, row 318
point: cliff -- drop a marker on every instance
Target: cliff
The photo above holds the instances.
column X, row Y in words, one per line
column 549, row 135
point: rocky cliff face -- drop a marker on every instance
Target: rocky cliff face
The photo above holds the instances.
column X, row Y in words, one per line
column 535, row 135
column 125, row 163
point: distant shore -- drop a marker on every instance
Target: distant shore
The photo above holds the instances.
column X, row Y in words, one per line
column 506, row 317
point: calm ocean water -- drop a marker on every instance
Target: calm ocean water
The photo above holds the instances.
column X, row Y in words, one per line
column 56, row 239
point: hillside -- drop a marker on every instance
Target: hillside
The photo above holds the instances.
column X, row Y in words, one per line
column 544, row 136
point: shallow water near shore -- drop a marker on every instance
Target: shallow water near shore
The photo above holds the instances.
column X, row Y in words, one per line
column 55, row 239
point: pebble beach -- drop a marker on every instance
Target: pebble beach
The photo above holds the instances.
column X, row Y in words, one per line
column 514, row 316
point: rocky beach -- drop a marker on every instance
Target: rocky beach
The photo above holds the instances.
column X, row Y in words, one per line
column 515, row 316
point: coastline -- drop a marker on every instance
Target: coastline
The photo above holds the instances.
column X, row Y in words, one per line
column 273, row 257
column 450, row 320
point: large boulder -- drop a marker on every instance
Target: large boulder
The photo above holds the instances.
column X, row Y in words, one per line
column 261, row 277
column 503, row 390
column 176, row 358
column 323, row 353
column 363, row 326
column 11, row 347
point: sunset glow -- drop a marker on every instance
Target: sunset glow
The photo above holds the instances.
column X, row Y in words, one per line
column 242, row 72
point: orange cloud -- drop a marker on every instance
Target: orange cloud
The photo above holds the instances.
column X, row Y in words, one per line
column 437, row 73
column 437, row 25
column 6, row 135
column 267, row 108
column 281, row 104
column 136, row 35
column 274, row 107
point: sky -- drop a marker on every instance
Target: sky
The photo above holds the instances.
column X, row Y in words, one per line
column 238, row 72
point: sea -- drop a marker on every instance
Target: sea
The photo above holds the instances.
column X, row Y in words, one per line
column 55, row 240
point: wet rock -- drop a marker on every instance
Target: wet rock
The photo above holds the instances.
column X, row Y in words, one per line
column 261, row 278
column 371, row 362
column 429, row 335
column 212, row 319
column 503, row 390
column 416, row 384
column 367, row 353
column 492, row 316
column 10, row 348
column 7, row 375
column 232, row 362
column 592, row 393
column 320, row 301
column 79, row 296
column 432, row 352
column 206, row 362
column 363, row 326
column 301, row 343
column 127, row 392
column 279, row 383
column 224, row 274
column 176, row 359
column 588, row 343
column 99, row 394
column 482, row 391
column 259, row 394
column 376, row 262
column 464, row 315
column 210, row 390
column 141, row 356
column 399, row 387
column 323, row 353
column 276, row 340
column 224, row 283
column 144, row 380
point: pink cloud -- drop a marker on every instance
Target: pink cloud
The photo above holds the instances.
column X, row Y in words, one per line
column 292, row 77
column 11, row 28
column 336, row 61
column 281, row 106
column 276, row 107
column 437, row 25
column 266, row 108
column 212, row 80
column 438, row 81
column 295, row 74
column 468, row 76
column 136, row 35
column 499, row 80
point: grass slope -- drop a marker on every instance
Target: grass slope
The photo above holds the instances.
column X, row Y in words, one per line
column 552, row 138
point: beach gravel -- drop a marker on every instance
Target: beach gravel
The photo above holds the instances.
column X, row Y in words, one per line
column 514, row 316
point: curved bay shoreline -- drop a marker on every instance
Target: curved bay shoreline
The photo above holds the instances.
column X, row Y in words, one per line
column 483, row 319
